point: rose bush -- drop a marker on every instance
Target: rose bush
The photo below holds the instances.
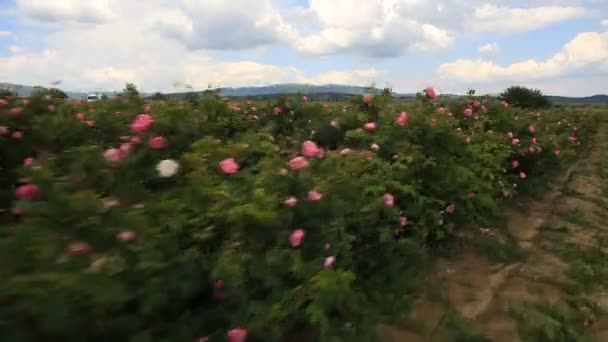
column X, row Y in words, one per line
column 181, row 221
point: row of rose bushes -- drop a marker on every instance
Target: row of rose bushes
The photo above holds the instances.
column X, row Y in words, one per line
column 207, row 221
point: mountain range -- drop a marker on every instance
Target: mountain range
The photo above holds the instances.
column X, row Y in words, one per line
column 294, row 88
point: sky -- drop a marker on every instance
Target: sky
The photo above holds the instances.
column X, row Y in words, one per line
column 560, row 47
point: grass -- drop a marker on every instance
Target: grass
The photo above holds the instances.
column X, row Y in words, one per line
column 576, row 216
column 546, row 322
column 456, row 328
column 499, row 252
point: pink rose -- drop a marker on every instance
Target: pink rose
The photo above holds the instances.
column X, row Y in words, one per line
column 229, row 166
column 80, row 116
column 557, row 152
column 403, row 221
column 329, row 261
column 28, row 162
column 3, row 130
column 375, row 147
column 532, row 149
column 572, row 139
column 296, row 238
column 15, row 112
column 368, row 99
column 126, row 236
column 468, row 112
column 532, row 129
column 515, row 141
column 277, row 110
column 389, row 199
column 441, row 110
column 298, row 163
column 309, row 149
column 305, row 98
column 403, row 119
column 113, row 155
column 484, row 109
column 476, row 103
column 515, row 164
column 27, row 192
column 291, row 202
column 430, row 93
column 314, row 195
column 370, row 127
column 450, row 208
column 157, row 142
column 142, row 123
column 79, row 248
column 91, row 123
column 320, row 153
column 237, row 335
column 126, row 148
column 522, row 175
column 51, row 108
column 510, row 135
column 534, row 141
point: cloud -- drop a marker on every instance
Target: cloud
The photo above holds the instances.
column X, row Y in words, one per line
column 585, row 50
column 383, row 28
column 491, row 18
column 379, row 28
column 222, row 24
column 6, row 34
column 87, row 58
column 61, row 11
column 489, row 49
column 605, row 22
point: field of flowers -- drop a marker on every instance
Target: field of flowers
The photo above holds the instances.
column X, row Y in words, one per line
column 211, row 220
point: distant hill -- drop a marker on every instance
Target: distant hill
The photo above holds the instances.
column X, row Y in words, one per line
column 24, row 90
column 595, row 99
column 315, row 92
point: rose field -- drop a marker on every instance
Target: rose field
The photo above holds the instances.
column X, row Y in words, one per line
column 216, row 219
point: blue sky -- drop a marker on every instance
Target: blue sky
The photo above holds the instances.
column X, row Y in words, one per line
column 560, row 47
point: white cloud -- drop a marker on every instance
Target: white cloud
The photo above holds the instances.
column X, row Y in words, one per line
column 605, row 22
column 55, row 11
column 489, row 49
column 585, row 50
column 6, row 34
column 491, row 18
column 221, row 24
column 88, row 58
column 379, row 28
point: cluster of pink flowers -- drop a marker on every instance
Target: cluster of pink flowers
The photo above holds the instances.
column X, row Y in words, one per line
column 142, row 123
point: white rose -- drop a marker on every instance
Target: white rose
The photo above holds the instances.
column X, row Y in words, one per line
column 167, row 168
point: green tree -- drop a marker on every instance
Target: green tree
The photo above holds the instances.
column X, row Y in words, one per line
column 523, row 97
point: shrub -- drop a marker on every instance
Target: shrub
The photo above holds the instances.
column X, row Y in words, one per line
column 116, row 243
column 525, row 97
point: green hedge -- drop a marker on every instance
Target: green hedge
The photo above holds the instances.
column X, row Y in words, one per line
column 113, row 251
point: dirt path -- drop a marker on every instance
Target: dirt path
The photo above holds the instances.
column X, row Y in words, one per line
column 543, row 279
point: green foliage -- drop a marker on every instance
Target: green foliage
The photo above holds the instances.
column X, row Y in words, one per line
column 525, row 97
column 212, row 251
